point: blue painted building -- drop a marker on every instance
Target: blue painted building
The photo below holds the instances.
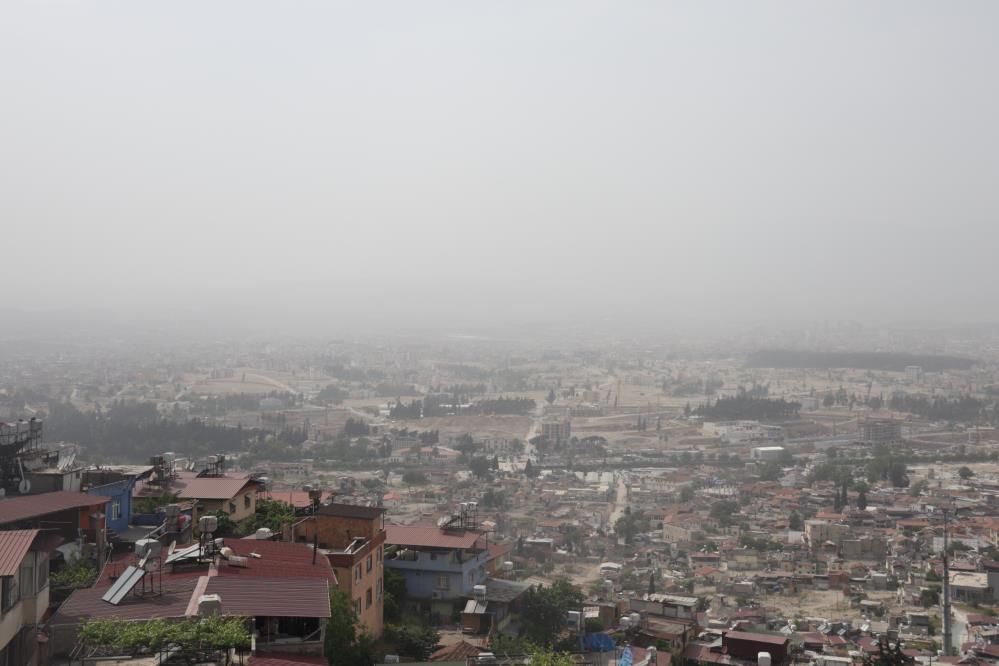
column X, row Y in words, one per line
column 441, row 567
column 119, row 508
column 118, row 483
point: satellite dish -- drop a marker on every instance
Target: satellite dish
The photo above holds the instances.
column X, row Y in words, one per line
column 24, row 487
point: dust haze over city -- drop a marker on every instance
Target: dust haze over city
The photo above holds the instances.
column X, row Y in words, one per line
column 604, row 333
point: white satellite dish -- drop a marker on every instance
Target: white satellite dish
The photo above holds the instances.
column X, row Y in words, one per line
column 24, row 487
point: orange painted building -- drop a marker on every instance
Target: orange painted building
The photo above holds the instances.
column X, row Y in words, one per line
column 353, row 539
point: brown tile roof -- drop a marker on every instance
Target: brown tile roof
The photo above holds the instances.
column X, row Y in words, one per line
column 272, row 597
column 14, row 545
column 16, row 509
column 433, row 537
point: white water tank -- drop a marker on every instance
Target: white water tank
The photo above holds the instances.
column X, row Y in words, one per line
column 479, row 591
column 507, row 566
column 150, row 546
column 391, row 659
column 209, row 604
column 762, row 659
column 265, row 533
column 208, row 524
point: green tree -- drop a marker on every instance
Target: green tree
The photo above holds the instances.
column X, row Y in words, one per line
column 480, row 466
column 529, row 470
column 395, row 594
column 551, row 396
column 724, row 512
column 415, row 641
column 965, row 473
column 544, row 610
column 794, row 521
column 347, row 643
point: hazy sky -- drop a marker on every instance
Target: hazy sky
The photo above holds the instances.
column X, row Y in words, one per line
column 500, row 158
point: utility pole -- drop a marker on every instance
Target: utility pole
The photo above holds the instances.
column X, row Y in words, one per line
column 947, row 644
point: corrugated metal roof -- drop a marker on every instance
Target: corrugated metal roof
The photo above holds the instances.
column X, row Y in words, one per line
column 24, row 507
column 351, row 511
column 272, row 597
column 14, row 545
column 277, row 559
column 85, row 604
column 210, row 487
column 432, row 537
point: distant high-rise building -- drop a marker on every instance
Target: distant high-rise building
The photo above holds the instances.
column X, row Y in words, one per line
column 880, row 431
column 556, row 429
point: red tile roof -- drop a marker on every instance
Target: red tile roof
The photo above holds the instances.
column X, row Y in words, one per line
column 271, row 597
column 16, row 509
column 433, row 537
column 14, row 545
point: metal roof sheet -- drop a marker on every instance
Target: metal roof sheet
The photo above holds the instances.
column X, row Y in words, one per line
column 14, row 545
column 351, row 511
column 272, row 597
column 85, row 604
column 15, row 509
column 210, row 487
column 432, row 537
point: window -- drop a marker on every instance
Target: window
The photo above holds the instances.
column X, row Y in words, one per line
column 357, row 573
column 357, row 606
column 443, row 582
column 246, row 501
column 28, row 577
column 9, row 593
column 115, row 512
column 378, row 589
column 232, row 507
column 43, row 571
column 381, row 556
column 368, row 568
column 433, row 556
column 367, row 598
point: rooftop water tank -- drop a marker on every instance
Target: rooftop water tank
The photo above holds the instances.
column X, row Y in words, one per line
column 209, row 604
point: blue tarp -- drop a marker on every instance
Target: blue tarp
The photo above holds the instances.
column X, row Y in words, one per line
column 626, row 658
column 598, row 642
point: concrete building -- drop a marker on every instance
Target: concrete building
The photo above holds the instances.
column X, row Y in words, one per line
column 880, row 431
column 556, row 429
column 441, row 566
column 767, row 453
column 353, row 539
column 741, row 432
column 24, row 572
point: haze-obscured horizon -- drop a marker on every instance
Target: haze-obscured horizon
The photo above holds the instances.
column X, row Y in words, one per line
column 472, row 164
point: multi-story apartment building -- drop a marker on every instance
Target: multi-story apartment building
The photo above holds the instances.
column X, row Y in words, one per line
column 352, row 538
column 24, row 576
column 441, row 566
